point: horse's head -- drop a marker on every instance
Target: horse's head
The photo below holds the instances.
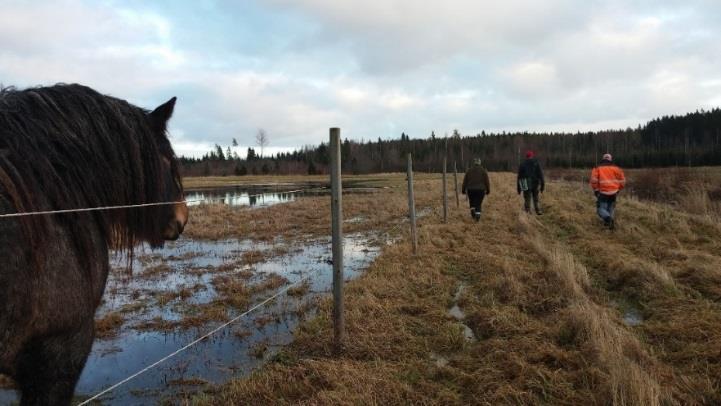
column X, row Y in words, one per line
column 172, row 217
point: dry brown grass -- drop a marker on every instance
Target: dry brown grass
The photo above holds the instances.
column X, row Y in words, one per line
column 308, row 216
column 539, row 295
column 693, row 190
column 234, row 292
column 182, row 293
column 543, row 296
column 156, row 324
column 371, row 180
column 188, row 382
column 667, row 261
column 270, row 282
column 299, row 290
column 156, row 270
column 253, row 257
column 109, row 325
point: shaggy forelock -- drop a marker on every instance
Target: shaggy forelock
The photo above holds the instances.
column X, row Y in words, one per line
column 68, row 146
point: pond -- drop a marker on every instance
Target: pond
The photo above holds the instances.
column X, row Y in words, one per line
column 261, row 197
column 240, row 197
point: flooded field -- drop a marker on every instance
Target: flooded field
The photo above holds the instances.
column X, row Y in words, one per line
column 240, row 197
column 262, row 197
column 170, row 297
column 176, row 294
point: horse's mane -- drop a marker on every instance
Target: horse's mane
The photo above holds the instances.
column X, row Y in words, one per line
column 68, row 146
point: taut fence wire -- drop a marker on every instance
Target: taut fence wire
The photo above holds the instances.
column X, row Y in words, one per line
column 386, row 234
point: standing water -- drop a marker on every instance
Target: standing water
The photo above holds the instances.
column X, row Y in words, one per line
column 154, row 316
column 240, row 197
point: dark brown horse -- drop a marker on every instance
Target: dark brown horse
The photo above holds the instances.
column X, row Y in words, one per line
column 66, row 147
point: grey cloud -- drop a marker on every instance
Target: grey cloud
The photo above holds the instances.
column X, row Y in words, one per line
column 377, row 67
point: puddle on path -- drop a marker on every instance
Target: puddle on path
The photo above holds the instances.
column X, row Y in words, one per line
column 232, row 352
column 630, row 313
column 632, row 317
column 458, row 314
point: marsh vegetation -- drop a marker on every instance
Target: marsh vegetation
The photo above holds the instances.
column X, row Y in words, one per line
column 563, row 311
column 514, row 309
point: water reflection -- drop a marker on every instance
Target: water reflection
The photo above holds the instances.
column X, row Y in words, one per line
column 228, row 354
column 239, row 197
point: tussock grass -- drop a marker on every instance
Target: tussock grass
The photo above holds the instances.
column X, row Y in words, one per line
column 370, row 180
column 182, row 293
column 153, row 271
column 541, row 295
column 299, row 290
column 109, row 325
column 308, row 216
column 667, row 261
column 234, row 292
column 259, row 349
column 253, row 257
column 270, row 282
column 694, row 190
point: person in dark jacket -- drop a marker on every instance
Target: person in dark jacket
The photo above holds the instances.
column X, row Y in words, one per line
column 530, row 181
column 477, row 186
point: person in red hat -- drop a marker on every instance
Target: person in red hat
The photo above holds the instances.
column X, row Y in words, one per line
column 607, row 180
column 530, row 181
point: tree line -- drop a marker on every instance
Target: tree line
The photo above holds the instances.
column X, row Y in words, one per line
column 693, row 139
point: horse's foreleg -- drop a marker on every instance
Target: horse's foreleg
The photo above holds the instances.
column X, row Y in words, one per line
column 49, row 367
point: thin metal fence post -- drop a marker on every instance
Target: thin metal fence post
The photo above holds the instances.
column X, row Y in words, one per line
column 337, row 245
column 445, row 193
column 412, row 205
column 455, row 182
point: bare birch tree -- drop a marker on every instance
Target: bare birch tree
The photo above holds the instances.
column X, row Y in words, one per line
column 261, row 139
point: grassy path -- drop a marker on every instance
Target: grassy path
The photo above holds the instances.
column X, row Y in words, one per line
column 668, row 265
column 544, row 298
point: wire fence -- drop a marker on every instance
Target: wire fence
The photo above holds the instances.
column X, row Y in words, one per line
column 386, row 235
column 196, row 341
column 124, row 206
column 87, row 209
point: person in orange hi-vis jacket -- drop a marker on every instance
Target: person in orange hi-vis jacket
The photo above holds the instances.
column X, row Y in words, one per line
column 607, row 180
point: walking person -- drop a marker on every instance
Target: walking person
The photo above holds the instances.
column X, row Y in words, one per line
column 530, row 181
column 607, row 180
column 477, row 186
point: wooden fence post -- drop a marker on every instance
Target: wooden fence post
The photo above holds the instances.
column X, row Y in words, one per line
column 412, row 205
column 445, row 193
column 455, row 182
column 337, row 245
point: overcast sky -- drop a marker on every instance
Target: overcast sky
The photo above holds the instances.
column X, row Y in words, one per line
column 375, row 68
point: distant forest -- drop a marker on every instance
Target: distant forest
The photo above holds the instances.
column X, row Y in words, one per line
column 690, row 140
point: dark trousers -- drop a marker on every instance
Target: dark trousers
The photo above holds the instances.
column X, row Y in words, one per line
column 475, row 199
column 527, row 195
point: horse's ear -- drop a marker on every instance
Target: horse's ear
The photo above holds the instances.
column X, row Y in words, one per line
column 160, row 116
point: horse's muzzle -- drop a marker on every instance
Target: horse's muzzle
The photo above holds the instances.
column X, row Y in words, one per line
column 173, row 231
column 177, row 224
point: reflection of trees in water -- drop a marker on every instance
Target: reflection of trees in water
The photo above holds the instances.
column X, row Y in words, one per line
column 238, row 198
